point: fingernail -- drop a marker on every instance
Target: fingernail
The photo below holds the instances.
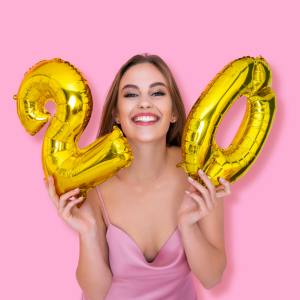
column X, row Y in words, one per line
column 201, row 171
column 188, row 192
column 190, row 178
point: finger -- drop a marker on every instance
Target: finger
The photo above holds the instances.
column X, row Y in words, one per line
column 199, row 200
column 224, row 189
column 63, row 199
column 203, row 190
column 51, row 191
column 220, row 192
column 45, row 182
column 220, row 187
column 208, row 183
column 47, row 185
column 191, row 187
column 226, row 184
column 195, row 216
column 67, row 210
column 69, row 194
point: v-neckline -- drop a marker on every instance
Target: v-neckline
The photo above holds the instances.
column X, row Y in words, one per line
column 138, row 248
column 111, row 225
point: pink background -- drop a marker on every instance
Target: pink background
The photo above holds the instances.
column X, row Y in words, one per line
column 38, row 252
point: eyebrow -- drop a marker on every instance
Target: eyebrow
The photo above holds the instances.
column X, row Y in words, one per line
column 136, row 87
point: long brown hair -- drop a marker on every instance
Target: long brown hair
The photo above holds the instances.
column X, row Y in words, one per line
column 174, row 134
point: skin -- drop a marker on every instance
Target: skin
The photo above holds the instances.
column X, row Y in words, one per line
column 152, row 188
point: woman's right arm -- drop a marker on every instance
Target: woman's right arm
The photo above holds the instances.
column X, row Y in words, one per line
column 93, row 272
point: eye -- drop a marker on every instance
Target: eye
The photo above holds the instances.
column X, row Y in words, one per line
column 159, row 93
column 130, row 95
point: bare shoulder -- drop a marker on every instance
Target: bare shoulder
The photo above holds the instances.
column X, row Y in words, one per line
column 177, row 172
column 92, row 205
column 175, row 154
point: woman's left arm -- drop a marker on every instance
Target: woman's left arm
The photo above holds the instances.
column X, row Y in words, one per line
column 201, row 223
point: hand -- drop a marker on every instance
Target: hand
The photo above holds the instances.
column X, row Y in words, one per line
column 80, row 219
column 199, row 200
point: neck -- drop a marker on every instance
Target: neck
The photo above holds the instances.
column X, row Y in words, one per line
column 148, row 164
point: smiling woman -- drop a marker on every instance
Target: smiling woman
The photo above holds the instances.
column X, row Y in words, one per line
column 158, row 90
column 147, row 242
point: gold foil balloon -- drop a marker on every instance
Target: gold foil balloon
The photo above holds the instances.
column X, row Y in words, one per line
column 246, row 76
column 70, row 166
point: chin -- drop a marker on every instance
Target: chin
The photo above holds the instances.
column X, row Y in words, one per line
column 145, row 140
column 145, row 136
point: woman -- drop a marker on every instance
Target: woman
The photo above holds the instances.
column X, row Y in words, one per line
column 147, row 229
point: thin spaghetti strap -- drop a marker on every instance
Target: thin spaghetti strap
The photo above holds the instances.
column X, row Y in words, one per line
column 106, row 218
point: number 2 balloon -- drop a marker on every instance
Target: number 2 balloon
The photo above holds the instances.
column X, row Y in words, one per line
column 70, row 166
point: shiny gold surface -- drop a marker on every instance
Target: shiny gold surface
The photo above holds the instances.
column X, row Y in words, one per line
column 70, row 166
column 246, row 76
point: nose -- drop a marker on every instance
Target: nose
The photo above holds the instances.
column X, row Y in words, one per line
column 144, row 102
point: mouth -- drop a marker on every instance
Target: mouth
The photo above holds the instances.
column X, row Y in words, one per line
column 145, row 120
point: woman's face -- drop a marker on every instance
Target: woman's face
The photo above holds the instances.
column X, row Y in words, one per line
column 143, row 89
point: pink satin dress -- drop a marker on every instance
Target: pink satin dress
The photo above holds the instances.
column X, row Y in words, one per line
column 167, row 277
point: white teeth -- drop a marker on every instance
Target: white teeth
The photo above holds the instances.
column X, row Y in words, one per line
column 145, row 119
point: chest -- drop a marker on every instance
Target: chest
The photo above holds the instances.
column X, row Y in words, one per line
column 148, row 215
column 143, row 207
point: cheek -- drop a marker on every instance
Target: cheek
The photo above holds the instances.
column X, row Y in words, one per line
column 165, row 108
column 124, row 109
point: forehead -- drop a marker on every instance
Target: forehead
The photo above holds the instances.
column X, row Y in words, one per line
column 142, row 75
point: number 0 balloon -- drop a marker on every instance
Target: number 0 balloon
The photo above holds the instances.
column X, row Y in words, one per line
column 246, row 76
column 70, row 166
